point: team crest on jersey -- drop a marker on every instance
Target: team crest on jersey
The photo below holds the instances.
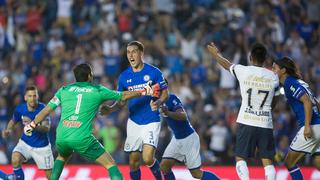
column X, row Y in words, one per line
column 146, row 78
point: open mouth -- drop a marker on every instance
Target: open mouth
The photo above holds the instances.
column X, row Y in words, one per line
column 131, row 60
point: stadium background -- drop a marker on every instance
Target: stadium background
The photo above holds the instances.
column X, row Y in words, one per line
column 40, row 41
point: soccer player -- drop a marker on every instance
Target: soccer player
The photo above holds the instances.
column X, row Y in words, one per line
column 185, row 143
column 306, row 107
column 79, row 103
column 258, row 86
column 143, row 126
column 35, row 145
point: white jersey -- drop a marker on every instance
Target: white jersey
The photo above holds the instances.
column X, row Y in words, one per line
column 258, row 86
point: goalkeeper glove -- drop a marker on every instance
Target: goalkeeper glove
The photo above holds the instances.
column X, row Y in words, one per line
column 151, row 90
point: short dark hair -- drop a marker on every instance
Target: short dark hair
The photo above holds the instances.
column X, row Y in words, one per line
column 31, row 88
column 81, row 72
column 138, row 44
column 290, row 66
column 259, row 53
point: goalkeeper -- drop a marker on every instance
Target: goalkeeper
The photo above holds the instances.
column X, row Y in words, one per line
column 79, row 104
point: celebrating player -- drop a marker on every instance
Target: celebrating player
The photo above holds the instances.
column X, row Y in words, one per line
column 143, row 125
column 79, row 103
column 185, row 143
column 306, row 107
column 258, row 86
column 33, row 145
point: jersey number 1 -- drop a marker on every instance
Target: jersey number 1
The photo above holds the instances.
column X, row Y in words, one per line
column 79, row 97
column 266, row 93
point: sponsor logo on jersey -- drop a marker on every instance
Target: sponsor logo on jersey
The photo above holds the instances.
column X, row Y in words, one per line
column 73, row 124
column 129, row 80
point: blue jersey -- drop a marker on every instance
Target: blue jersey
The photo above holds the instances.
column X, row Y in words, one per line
column 294, row 90
column 37, row 139
column 180, row 129
column 139, row 108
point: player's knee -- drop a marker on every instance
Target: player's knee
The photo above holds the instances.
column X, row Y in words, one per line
column 134, row 164
column 317, row 162
column 16, row 160
column 196, row 173
column 164, row 167
column 148, row 160
column 288, row 163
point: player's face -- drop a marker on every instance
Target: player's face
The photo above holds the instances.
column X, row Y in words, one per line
column 134, row 56
column 276, row 68
column 31, row 97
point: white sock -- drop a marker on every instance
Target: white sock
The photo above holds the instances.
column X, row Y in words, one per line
column 270, row 172
column 242, row 170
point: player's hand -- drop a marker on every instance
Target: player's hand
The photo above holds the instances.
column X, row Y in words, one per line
column 29, row 128
column 155, row 105
column 212, row 48
column 307, row 133
column 151, row 90
column 105, row 110
column 164, row 111
column 6, row 133
column 25, row 120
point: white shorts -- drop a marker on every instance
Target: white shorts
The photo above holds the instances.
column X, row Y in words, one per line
column 312, row 145
column 185, row 150
column 42, row 156
column 138, row 135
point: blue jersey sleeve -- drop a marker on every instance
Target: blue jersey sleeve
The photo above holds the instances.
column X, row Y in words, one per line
column 174, row 103
column 16, row 115
column 160, row 79
column 295, row 90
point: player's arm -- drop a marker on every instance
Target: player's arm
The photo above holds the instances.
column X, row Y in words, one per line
column 38, row 119
column 106, row 109
column 214, row 51
column 179, row 114
column 11, row 125
column 158, row 103
column 44, row 127
column 307, row 105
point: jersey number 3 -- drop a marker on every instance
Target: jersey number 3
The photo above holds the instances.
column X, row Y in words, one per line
column 266, row 93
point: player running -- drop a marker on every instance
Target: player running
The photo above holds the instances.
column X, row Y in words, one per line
column 258, row 86
column 185, row 143
column 306, row 107
column 143, row 125
column 79, row 103
column 35, row 145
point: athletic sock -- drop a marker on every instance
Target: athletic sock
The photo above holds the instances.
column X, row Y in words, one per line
column 155, row 168
column 57, row 169
column 209, row 176
column 270, row 172
column 169, row 176
column 114, row 173
column 295, row 173
column 135, row 175
column 242, row 170
column 18, row 172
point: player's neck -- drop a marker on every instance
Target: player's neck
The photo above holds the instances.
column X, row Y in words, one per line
column 257, row 64
column 283, row 78
column 31, row 109
column 138, row 68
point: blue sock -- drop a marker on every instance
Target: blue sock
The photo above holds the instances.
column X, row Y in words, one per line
column 209, row 176
column 3, row 175
column 295, row 173
column 155, row 168
column 169, row 176
column 135, row 175
column 18, row 172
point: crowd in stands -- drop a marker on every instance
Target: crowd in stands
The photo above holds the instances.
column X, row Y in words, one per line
column 40, row 42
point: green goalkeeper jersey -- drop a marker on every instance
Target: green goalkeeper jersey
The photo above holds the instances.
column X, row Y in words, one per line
column 79, row 104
